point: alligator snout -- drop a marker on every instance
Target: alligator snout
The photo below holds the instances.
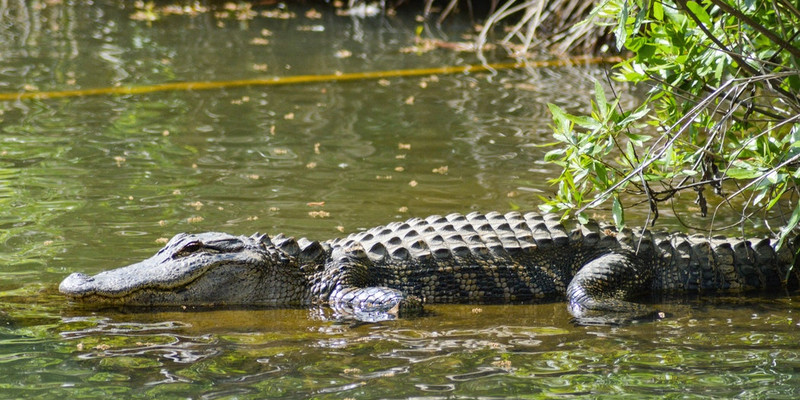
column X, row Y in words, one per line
column 75, row 284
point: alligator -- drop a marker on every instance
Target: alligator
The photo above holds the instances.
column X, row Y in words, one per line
column 392, row 270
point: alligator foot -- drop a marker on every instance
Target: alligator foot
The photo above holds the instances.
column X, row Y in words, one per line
column 374, row 304
column 597, row 293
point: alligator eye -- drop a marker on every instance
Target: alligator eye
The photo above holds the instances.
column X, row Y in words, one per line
column 189, row 248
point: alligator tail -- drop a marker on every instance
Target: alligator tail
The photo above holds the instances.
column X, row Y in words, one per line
column 698, row 264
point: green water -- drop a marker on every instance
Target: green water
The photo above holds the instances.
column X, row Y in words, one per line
column 92, row 183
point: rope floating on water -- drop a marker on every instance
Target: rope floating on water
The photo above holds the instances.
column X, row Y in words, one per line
column 300, row 79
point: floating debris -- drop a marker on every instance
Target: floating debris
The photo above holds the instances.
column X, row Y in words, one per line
column 277, row 14
column 441, row 170
column 311, row 28
column 243, row 100
column 343, row 54
column 259, row 41
column 319, row 214
column 313, row 14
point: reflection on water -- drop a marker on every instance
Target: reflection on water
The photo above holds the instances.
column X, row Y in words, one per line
column 456, row 351
column 91, row 183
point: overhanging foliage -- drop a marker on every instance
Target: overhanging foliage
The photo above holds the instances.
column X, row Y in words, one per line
column 723, row 107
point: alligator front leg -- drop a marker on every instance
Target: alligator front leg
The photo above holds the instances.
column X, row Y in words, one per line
column 372, row 304
column 599, row 292
column 354, row 292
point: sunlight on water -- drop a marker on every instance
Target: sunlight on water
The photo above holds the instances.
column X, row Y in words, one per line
column 92, row 183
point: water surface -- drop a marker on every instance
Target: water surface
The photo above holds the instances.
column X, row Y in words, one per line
column 90, row 183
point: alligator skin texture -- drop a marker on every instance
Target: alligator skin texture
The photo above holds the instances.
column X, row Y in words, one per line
column 393, row 270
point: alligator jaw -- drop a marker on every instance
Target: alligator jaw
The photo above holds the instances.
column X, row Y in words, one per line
column 203, row 269
column 125, row 285
column 76, row 285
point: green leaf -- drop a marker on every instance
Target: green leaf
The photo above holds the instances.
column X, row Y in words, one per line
column 640, row 17
column 554, row 155
column 658, row 10
column 742, row 173
column 545, row 206
column 776, row 197
column 600, row 97
column 602, row 173
column 621, row 32
column 773, row 177
column 617, row 212
column 637, row 139
column 720, row 68
column 700, row 12
column 557, row 111
column 585, row 122
column 636, row 115
column 793, row 220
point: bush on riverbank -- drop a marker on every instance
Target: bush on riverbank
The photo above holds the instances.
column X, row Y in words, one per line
column 724, row 79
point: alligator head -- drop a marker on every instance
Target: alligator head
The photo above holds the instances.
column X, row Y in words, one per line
column 198, row 270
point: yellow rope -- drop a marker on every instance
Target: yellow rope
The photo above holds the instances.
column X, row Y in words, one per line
column 288, row 80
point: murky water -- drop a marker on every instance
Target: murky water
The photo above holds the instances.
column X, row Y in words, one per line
column 89, row 183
